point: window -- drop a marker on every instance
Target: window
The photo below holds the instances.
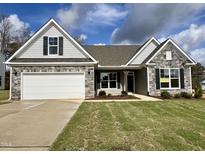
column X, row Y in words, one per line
column 53, row 45
column 169, row 78
column 164, row 78
column 108, row 80
column 168, row 55
column 0, row 81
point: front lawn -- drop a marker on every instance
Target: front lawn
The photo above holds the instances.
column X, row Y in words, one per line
column 4, row 95
column 165, row 125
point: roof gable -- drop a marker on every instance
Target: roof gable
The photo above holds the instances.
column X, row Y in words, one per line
column 144, row 51
column 51, row 28
column 162, row 45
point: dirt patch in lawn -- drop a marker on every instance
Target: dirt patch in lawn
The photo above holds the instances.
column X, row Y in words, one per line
column 118, row 97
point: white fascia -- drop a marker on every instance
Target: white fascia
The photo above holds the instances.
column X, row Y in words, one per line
column 39, row 31
column 170, row 40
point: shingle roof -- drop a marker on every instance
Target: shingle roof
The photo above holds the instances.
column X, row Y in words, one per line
column 112, row 55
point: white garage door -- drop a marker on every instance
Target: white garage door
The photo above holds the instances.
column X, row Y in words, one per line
column 53, row 85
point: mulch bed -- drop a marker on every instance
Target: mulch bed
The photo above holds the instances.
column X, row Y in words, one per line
column 112, row 97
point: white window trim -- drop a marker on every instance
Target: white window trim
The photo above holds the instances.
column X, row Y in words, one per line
column 170, row 79
column 53, row 46
column 108, row 81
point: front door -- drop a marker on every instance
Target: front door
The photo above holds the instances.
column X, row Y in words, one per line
column 130, row 82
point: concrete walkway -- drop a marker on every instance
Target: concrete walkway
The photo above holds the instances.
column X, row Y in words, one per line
column 34, row 125
column 145, row 98
column 140, row 98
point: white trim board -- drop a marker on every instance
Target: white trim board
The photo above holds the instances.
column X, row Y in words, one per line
column 142, row 48
column 170, row 40
column 50, row 63
column 40, row 30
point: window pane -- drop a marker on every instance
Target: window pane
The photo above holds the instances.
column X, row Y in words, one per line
column 113, row 84
column 103, row 76
column 104, row 84
column 164, row 73
column 53, row 50
column 165, row 85
column 113, row 76
column 53, row 41
column 175, row 83
column 174, row 73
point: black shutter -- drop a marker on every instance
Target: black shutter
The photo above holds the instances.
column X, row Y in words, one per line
column 45, row 45
column 98, row 79
column 61, row 46
column 118, row 80
column 182, row 78
column 157, row 78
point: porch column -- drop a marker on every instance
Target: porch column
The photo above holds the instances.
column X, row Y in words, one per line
column 125, row 80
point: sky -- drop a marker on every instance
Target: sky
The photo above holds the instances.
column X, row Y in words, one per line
column 104, row 24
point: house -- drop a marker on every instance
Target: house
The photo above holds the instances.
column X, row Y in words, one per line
column 52, row 65
column 2, row 71
column 203, row 84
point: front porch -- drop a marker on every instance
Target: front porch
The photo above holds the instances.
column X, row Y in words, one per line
column 115, row 81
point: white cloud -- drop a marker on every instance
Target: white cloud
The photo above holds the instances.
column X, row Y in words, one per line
column 105, row 14
column 18, row 26
column 198, row 55
column 190, row 38
column 81, row 16
column 148, row 20
column 100, row 44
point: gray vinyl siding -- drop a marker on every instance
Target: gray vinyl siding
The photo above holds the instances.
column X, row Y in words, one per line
column 141, row 81
column 2, row 71
column 35, row 49
column 144, row 53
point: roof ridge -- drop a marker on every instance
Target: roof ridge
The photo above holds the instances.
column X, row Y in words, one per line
column 110, row 45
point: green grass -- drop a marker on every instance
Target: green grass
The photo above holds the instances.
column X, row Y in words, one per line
column 166, row 125
column 4, row 95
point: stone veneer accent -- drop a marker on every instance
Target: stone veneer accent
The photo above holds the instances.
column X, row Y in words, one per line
column 17, row 70
column 177, row 61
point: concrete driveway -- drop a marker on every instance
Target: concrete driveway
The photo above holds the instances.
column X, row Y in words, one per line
column 34, row 125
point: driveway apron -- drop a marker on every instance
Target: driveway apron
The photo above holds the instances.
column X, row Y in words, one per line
column 34, row 125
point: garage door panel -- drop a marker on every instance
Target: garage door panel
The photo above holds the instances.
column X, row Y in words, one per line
column 53, row 86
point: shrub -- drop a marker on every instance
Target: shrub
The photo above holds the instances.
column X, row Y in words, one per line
column 183, row 94
column 165, row 94
column 177, row 95
column 124, row 93
column 198, row 91
column 186, row 95
column 109, row 95
column 102, row 93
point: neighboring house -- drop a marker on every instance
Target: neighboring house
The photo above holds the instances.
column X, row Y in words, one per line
column 203, row 81
column 2, row 71
column 52, row 65
column 203, row 84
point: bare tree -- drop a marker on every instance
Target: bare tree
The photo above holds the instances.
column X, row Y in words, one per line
column 4, row 33
column 9, row 42
column 81, row 39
